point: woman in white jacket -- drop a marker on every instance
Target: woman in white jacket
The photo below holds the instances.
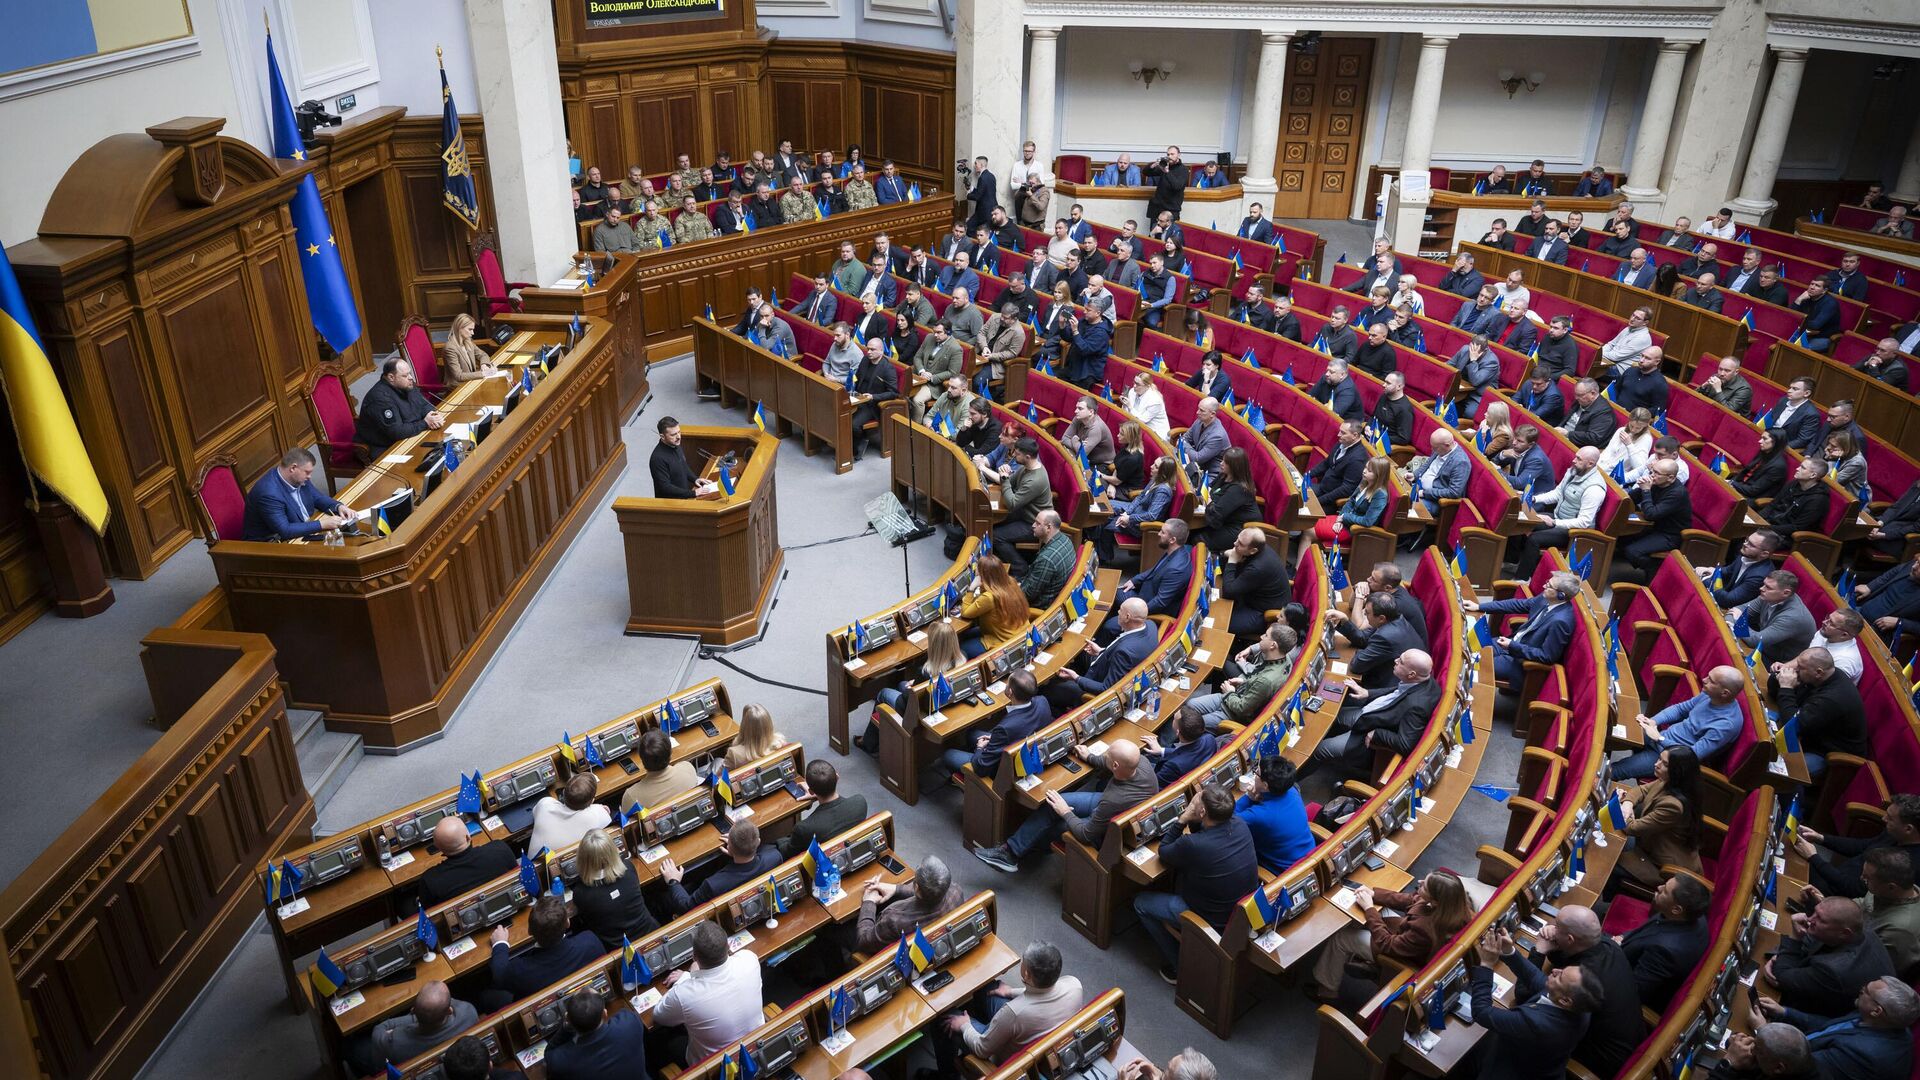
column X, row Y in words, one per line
column 1630, row 444
column 1144, row 403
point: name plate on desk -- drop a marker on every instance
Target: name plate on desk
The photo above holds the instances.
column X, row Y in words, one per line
column 456, row 949
column 288, row 911
column 1139, row 856
column 740, row 940
column 347, row 1002
column 644, row 1001
column 854, row 664
column 1043, row 659
column 737, row 813
column 1777, row 767
column 397, row 861
column 533, row 1055
column 1202, row 656
column 492, row 823
column 1270, row 942
column 1341, row 898
column 653, row 854
column 1027, row 783
column 837, row 1041
column 1387, row 848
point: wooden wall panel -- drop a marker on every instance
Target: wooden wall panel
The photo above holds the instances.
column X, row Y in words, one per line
column 161, row 905
column 728, row 123
column 604, row 130
column 206, row 333
column 131, row 398
column 282, row 324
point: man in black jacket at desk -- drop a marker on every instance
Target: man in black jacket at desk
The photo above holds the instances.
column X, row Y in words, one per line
column 394, row 409
column 1664, row 949
column 555, row 955
column 833, row 813
column 1574, row 939
column 1661, row 498
column 1338, row 474
column 673, row 478
column 596, row 1044
column 1256, row 579
column 463, row 865
column 1533, row 1039
column 747, row 858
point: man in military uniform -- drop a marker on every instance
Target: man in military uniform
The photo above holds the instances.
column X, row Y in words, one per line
column 612, row 234
column 649, row 227
column 394, row 409
column 635, row 189
column 692, row 225
column 860, row 193
column 796, row 203
column 684, row 170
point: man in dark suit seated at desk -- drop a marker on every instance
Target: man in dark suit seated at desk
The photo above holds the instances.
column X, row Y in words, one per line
column 1550, row 1013
column 597, row 1044
column 394, row 409
column 1664, row 949
column 281, row 504
column 1256, row 579
column 747, row 858
column 1870, row 1043
column 672, row 477
column 468, row 1059
column 1163, row 585
column 555, row 955
column 833, row 813
column 463, row 865
column 1338, row 474
column 1393, row 716
column 1821, row 969
column 1574, row 939
column 1027, row 712
column 1110, row 663
column 1550, row 623
column 436, row 1016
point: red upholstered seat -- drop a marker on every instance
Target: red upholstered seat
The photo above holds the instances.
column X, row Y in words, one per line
column 493, row 291
column 223, row 500
column 334, row 423
column 416, row 345
column 1074, row 168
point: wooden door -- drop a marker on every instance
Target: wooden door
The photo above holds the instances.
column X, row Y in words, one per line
column 1321, row 117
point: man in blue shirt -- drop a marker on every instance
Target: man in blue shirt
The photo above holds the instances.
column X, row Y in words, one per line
column 1122, row 173
column 1193, row 745
column 281, row 505
column 1707, row 722
column 1276, row 816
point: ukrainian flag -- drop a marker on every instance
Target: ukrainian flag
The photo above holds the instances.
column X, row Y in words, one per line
column 1261, row 912
column 920, row 950
column 326, row 975
column 760, row 416
column 723, row 785
column 49, row 440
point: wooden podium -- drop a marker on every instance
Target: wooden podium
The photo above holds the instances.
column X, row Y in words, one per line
column 707, row 565
column 615, row 297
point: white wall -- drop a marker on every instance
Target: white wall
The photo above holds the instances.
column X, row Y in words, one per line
column 918, row 24
column 1560, row 123
column 1104, row 109
column 405, row 34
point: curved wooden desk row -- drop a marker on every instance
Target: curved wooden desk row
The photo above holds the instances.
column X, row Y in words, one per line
column 387, row 634
column 1395, row 1024
column 516, row 1036
column 796, row 400
column 1054, row 400
column 128, row 913
column 370, row 869
column 1441, row 341
column 1893, row 415
column 1690, row 330
column 1378, row 846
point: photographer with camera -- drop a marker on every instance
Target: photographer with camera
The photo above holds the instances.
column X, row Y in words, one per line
column 982, row 190
column 1170, row 177
column 1030, row 188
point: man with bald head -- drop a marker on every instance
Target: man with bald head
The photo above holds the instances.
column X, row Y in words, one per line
column 1085, row 813
column 1660, row 497
column 1706, row 723
column 1206, row 440
column 463, row 865
column 1885, row 364
column 1100, row 666
column 1821, row 969
column 1256, row 579
column 1574, row 939
column 1391, row 717
column 1643, row 385
column 1573, row 503
column 1043, row 578
column 1444, row 474
column 436, row 1017
column 1825, row 707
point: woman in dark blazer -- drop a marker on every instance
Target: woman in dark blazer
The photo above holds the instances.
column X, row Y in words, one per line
column 1232, row 504
column 606, row 899
column 1210, row 379
column 1766, row 474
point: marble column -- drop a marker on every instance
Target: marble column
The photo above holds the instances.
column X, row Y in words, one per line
column 1042, row 60
column 519, row 82
column 1417, row 152
column 1656, row 122
column 1263, row 146
column 1907, row 187
column 1755, row 200
column 987, row 52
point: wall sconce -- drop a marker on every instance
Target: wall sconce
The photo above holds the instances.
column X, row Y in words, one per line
column 1139, row 70
column 1513, row 80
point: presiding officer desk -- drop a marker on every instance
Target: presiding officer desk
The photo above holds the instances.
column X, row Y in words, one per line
column 385, row 634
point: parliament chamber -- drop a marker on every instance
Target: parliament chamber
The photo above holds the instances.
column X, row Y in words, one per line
column 1335, row 556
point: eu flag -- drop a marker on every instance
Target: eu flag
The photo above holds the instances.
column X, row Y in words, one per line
column 456, row 175
column 329, row 298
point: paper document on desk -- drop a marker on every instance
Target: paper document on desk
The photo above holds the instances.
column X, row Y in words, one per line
column 570, row 283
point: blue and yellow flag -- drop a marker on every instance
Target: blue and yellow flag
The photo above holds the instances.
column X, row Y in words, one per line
column 329, row 297
column 633, row 966
column 456, row 175
column 723, row 785
column 759, row 416
column 326, row 975
column 49, row 439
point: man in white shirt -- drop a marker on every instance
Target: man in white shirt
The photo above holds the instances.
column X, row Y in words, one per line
column 1633, row 339
column 1720, row 226
column 1839, row 634
column 1574, row 503
column 1514, row 286
column 718, row 1000
column 1060, row 244
column 559, row 823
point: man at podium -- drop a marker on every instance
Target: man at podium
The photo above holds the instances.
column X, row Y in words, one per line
column 672, row 478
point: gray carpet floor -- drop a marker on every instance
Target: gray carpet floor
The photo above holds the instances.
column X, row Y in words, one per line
column 567, row 667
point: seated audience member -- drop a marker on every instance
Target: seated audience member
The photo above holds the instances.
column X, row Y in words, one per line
column 1643, row 385
column 1825, row 707
column 1163, row 585
column 717, row 1000
column 1339, row 339
column 1442, row 474
column 1623, row 350
column 606, row 900
column 435, row 1017
column 1002, row 1020
column 997, row 610
column 1705, row 294
column 1836, row 864
column 1394, row 410
column 1366, row 505
column 1885, row 364
column 1777, row 620
column 1389, row 717
column 1726, row 386
column 819, row 305
column 394, row 408
column 663, row 777
column 1376, row 356
column 1335, row 390
column 1664, row 949
column 562, row 822
column 463, row 864
column 1591, row 421
column 1660, row 498
column 1739, row 581
column 1106, row 664
column 1574, row 503
column 1479, row 369
column 1663, row 819
column 1872, row 1042
column 1403, row 927
column 1189, row 1064
column 1820, row 316
column 1553, row 247
column 1497, row 236
column 833, row 813
column 1276, row 815
column 1895, row 224
column 468, row 1059
column 1832, row 954
column 1476, row 316
column 1193, row 745
column 1898, row 522
column 1594, row 185
column 1552, row 1014
column 1839, row 634
column 747, row 858
column 1892, row 905
column 1705, row 724
column 757, row 737
column 692, row 225
column 1232, row 504
column 555, row 954
column 1463, row 280
column 889, row 912
column 1573, row 939
column 1802, row 504
column 597, row 1043
column 281, row 505
column 1891, row 602
column 1211, row 855
column 1027, row 712
column 1542, row 398
column 1526, row 466
column 1211, row 380
column 1513, row 328
column 613, row 234
column 1544, row 638
column 1388, row 629
column 1770, row 1052
column 1765, row 474
column 943, row 654
column 1085, row 813
column 1255, row 578
column 1845, row 456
